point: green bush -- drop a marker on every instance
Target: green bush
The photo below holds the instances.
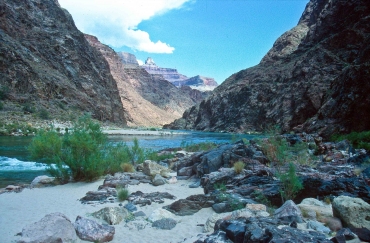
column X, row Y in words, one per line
column 290, row 184
column 1, row 105
column 44, row 114
column 153, row 155
column 82, row 153
column 239, row 167
column 196, row 147
column 27, row 107
column 357, row 139
column 220, row 186
column 122, row 194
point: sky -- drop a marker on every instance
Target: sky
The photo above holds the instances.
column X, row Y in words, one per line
column 212, row 38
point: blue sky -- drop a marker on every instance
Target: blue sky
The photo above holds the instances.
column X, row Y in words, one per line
column 213, row 38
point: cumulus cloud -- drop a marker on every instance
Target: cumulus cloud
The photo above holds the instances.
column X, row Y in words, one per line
column 115, row 22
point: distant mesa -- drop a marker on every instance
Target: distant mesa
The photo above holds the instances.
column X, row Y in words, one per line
column 172, row 75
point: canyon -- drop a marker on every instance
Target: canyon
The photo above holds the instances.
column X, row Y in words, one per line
column 315, row 78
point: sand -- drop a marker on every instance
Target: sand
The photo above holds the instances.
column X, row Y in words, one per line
column 30, row 205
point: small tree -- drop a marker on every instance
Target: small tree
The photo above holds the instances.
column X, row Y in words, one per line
column 290, row 184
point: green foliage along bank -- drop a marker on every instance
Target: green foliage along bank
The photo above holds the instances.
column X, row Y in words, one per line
column 83, row 152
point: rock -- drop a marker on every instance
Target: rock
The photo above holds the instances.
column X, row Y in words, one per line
column 12, row 188
column 315, row 209
column 218, row 236
column 42, row 181
column 137, row 224
column 54, row 56
column 235, row 230
column 158, row 180
column 289, row 212
column 345, row 235
column 362, row 233
column 256, row 207
column 130, row 207
column 318, row 227
column 53, row 228
column 173, row 180
column 99, row 196
column 90, row 230
column 242, row 213
column 262, row 229
column 160, row 214
column 165, row 223
column 354, row 212
column 220, row 207
column 149, row 198
column 185, row 171
column 112, row 215
column 190, row 205
column 152, row 168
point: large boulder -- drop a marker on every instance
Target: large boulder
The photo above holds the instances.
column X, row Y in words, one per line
column 53, row 228
column 152, row 168
column 90, row 230
column 160, row 214
column 354, row 212
column 112, row 215
column 289, row 212
column 190, row 205
column 158, row 180
column 42, row 181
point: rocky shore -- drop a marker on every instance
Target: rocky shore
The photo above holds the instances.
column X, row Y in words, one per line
column 200, row 197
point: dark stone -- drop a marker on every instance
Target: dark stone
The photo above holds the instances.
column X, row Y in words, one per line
column 343, row 236
column 235, row 230
column 130, row 207
column 220, row 207
column 140, row 198
column 165, row 224
column 190, row 205
column 362, row 233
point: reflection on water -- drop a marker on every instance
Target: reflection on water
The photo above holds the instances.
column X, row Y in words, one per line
column 15, row 166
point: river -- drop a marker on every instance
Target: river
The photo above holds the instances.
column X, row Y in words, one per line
column 16, row 167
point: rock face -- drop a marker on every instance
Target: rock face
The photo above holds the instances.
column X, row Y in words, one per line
column 148, row 99
column 315, row 78
column 129, row 60
column 45, row 61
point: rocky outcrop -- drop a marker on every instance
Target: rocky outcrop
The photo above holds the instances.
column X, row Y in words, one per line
column 46, row 62
column 169, row 74
column 129, row 60
column 201, row 83
column 315, row 78
column 148, row 99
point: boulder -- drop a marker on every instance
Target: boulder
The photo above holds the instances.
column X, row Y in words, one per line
column 190, row 205
column 101, row 196
column 112, row 215
column 317, row 226
column 289, row 212
column 53, row 228
column 158, row 180
column 152, row 168
column 354, row 212
column 165, row 224
column 160, row 214
column 345, row 235
column 90, row 230
column 242, row 213
column 315, row 209
column 43, row 180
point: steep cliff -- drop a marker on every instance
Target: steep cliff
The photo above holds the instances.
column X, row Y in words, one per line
column 148, row 99
column 45, row 61
column 315, row 78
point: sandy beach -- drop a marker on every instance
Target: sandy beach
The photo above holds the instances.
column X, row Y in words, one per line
column 30, row 205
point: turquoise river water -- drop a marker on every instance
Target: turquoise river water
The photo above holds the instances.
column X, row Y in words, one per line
column 16, row 167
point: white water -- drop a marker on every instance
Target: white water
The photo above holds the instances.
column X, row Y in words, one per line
column 12, row 164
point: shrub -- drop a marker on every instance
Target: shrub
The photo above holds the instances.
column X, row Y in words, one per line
column 155, row 156
column 44, row 114
column 290, row 183
column 220, row 186
column 1, row 105
column 357, row 139
column 239, row 167
column 27, row 107
column 122, row 194
column 196, row 147
column 83, row 152
column 126, row 167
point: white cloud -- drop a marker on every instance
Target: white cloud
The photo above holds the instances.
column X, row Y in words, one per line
column 115, row 22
